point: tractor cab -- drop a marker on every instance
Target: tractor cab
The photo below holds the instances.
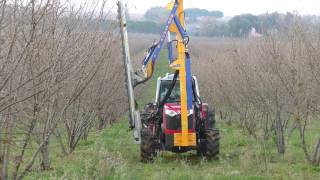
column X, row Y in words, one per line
column 169, row 103
column 163, row 86
column 161, row 122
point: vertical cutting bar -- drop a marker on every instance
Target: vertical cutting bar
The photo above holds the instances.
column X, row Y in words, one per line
column 134, row 115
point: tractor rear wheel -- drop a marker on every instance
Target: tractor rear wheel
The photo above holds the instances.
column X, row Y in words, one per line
column 148, row 146
column 210, row 147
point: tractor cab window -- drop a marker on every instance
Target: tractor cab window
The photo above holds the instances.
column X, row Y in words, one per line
column 175, row 94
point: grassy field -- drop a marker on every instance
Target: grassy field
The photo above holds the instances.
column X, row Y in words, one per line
column 111, row 154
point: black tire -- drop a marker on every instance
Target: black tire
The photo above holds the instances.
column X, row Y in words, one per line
column 148, row 146
column 210, row 146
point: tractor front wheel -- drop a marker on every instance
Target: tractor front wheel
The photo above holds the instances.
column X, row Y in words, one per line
column 148, row 146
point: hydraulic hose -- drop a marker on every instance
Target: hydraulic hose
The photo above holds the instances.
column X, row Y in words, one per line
column 168, row 94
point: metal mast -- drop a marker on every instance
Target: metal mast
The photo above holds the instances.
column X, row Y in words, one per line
column 134, row 116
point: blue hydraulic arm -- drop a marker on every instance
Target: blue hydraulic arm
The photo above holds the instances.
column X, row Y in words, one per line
column 148, row 63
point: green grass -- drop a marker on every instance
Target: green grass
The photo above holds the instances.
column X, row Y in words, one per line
column 111, row 154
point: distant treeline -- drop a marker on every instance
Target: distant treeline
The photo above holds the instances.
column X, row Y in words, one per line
column 212, row 23
column 242, row 25
column 193, row 14
column 155, row 18
column 160, row 14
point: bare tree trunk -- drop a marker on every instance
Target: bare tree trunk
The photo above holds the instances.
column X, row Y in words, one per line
column 1, row 146
column 45, row 160
column 5, row 162
column 26, row 142
column 58, row 136
column 302, row 129
column 292, row 129
column 7, row 147
column 280, row 134
column 101, row 123
column 31, row 162
column 1, row 165
column 48, row 130
column 267, row 129
column 316, row 156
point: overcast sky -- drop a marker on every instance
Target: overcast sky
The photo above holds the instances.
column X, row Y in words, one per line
column 235, row 7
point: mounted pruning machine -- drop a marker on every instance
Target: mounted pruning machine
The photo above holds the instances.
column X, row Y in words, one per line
column 177, row 120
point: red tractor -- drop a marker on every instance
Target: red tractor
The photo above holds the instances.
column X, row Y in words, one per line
column 177, row 120
column 161, row 120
